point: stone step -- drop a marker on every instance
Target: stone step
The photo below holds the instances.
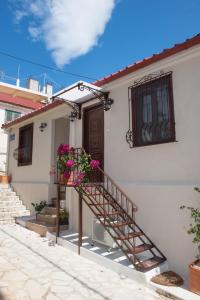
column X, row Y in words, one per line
column 49, row 210
column 5, row 221
column 12, row 208
column 54, row 202
column 5, row 186
column 4, row 204
column 12, row 214
column 10, row 205
column 9, row 198
column 41, row 228
column 48, row 219
column 6, row 190
column 7, row 194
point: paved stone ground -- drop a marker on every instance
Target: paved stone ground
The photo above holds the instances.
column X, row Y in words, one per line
column 31, row 268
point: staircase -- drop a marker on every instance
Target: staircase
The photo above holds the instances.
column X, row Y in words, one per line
column 116, row 212
column 46, row 220
column 10, row 205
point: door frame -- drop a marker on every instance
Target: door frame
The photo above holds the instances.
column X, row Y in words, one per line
column 88, row 108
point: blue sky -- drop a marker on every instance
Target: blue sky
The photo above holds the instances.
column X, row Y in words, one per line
column 112, row 34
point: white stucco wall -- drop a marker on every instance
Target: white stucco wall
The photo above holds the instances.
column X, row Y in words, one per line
column 3, row 134
column 33, row 182
column 159, row 178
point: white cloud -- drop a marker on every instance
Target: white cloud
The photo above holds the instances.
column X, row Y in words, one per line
column 69, row 28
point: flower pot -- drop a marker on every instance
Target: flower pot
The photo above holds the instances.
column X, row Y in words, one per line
column 5, row 179
column 61, row 178
column 70, row 180
column 194, row 277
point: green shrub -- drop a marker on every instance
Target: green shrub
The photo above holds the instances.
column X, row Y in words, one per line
column 194, row 228
column 64, row 218
column 39, row 206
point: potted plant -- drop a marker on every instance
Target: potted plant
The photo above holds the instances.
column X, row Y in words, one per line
column 65, row 162
column 194, row 229
column 39, row 206
column 74, row 169
column 64, row 218
column 5, row 179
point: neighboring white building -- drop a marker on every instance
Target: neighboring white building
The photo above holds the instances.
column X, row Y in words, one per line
column 15, row 101
column 158, row 168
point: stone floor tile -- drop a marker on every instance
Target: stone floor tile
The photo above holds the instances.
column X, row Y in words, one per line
column 33, row 270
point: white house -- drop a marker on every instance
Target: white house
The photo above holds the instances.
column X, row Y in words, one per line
column 147, row 142
column 15, row 101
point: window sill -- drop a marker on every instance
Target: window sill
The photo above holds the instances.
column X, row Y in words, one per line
column 24, row 164
column 155, row 143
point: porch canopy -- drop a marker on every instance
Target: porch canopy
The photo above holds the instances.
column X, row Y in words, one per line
column 79, row 92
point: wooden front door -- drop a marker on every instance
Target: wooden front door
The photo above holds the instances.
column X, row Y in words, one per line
column 93, row 133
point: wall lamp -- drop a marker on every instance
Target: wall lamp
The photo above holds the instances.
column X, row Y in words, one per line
column 73, row 115
column 42, row 126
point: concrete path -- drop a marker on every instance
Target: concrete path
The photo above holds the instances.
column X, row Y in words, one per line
column 31, row 268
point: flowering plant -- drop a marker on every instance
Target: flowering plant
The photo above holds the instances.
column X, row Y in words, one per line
column 194, row 228
column 80, row 166
column 65, row 158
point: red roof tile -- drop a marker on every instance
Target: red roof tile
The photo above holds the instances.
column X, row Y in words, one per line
column 34, row 113
column 19, row 101
column 150, row 60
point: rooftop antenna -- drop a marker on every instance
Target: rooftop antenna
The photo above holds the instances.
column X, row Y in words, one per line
column 18, row 79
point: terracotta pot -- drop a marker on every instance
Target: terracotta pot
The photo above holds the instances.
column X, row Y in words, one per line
column 5, row 179
column 70, row 181
column 61, row 178
column 194, row 277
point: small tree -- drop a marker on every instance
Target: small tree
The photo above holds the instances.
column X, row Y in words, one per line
column 194, row 228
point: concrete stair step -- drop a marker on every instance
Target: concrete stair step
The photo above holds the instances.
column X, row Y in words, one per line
column 4, row 186
column 54, row 201
column 9, row 198
column 5, row 221
column 48, row 219
column 14, row 214
column 7, row 194
column 49, row 210
column 10, row 203
column 12, row 208
column 41, row 228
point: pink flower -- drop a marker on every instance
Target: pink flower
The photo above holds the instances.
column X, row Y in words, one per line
column 72, row 150
column 94, row 164
column 79, row 178
column 66, row 174
column 60, row 149
column 66, row 148
column 76, row 182
column 81, row 175
column 70, row 163
column 63, row 149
